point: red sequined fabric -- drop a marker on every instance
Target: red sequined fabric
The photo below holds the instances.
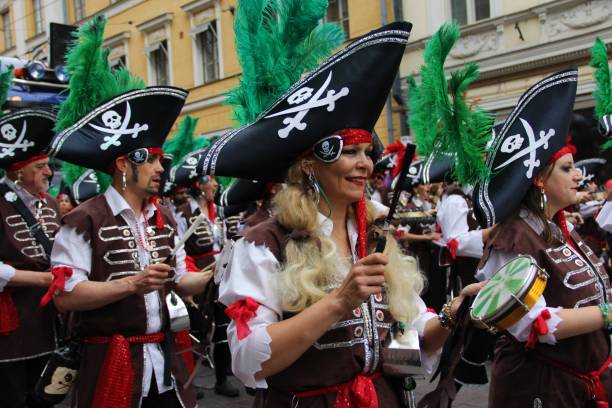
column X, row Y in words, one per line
column 360, row 222
column 353, row 136
column 9, row 319
column 358, row 393
column 116, row 378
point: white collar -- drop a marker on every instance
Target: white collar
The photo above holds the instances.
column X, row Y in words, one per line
column 118, row 204
column 193, row 204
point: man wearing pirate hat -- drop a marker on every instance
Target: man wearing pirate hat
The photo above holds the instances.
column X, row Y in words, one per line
column 114, row 250
column 29, row 219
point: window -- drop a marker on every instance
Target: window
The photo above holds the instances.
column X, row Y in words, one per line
column 159, row 63
column 79, row 10
column 6, row 30
column 470, row 11
column 209, row 52
column 39, row 21
column 118, row 63
column 337, row 11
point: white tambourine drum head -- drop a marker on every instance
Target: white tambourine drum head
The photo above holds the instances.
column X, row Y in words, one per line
column 499, row 295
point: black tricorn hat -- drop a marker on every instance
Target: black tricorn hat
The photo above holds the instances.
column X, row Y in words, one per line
column 349, row 90
column 24, row 134
column 165, row 185
column 590, row 168
column 188, row 170
column 435, row 169
column 242, row 191
column 85, row 187
column 136, row 119
column 535, row 129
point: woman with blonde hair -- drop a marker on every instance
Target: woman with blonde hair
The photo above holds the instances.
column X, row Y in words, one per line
column 311, row 311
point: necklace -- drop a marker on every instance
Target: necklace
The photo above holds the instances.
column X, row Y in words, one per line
column 141, row 241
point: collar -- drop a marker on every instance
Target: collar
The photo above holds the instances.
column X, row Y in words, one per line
column 118, row 205
column 193, row 204
column 28, row 198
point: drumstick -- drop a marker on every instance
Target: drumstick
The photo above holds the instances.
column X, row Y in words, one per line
column 194, row 225
column 397, row 191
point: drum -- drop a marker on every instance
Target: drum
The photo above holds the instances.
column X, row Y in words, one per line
column 509, row 295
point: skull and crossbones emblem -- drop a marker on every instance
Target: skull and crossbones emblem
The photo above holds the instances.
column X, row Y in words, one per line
column 191, row 164
column 326, row 149
column 532, row 162
column 9, row 133
column 310, row 101
column 117, row 126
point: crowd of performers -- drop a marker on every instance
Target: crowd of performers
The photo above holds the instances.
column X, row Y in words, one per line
column 298, row 277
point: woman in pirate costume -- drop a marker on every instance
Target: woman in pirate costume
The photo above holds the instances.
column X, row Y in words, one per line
column 29, row 219
column 110, row 249
column 307, row 267
column 558, row 354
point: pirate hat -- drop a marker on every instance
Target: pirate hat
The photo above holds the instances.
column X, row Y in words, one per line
column 24, row 136
column 177, row 148
column 348, row 91
column 434, row 169
column 242, row 191
column 136, row 119
column 109, row 113
column 590, row 169
column 85, row 187
column 535, row 130
column 188, row 170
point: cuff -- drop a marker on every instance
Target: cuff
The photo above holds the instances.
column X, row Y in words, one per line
column 6, row 274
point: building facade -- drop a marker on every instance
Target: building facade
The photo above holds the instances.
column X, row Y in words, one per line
column 189, row 44
column 516, row 43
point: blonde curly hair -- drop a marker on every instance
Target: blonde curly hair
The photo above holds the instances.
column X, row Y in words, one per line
column 312, row 266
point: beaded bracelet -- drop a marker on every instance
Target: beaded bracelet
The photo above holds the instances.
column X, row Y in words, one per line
column 445, row 316
column 607, row 317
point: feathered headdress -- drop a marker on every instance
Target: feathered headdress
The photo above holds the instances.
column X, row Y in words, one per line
column 603, row 92
column 277, row 41
column 5, row 84
column 440, row 117
column 183, row 142
column 92, row 80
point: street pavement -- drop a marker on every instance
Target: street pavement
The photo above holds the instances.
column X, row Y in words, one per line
column 468, row 397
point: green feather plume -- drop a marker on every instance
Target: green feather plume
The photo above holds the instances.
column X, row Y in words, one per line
column 5, row 84
column 440, row 118
column 182, row 142
column 603, row 92
column 92, row 81
column 277, row 41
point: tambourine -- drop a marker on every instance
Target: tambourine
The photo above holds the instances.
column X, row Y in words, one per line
column 509, row 295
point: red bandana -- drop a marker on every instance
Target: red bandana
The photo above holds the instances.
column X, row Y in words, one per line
column 21, row 164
